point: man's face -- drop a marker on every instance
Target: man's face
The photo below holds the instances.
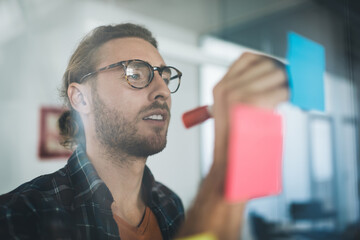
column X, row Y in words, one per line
column 130, row 121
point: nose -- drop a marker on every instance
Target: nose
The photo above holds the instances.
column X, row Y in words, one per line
column 159, row 89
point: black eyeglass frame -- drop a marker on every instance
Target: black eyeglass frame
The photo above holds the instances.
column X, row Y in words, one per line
column 125, row 65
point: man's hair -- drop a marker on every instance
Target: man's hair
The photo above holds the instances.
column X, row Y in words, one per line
column 83, row 61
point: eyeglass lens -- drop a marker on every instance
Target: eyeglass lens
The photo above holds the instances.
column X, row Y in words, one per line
column 139, row 75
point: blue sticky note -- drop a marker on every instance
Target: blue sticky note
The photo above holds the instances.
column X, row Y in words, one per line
column 306, row 69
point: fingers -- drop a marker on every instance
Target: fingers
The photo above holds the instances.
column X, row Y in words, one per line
column 259, row 81
column 269, row 99
column 243, row 63
column 267, row 91
column 248, row 81
column 254, row 65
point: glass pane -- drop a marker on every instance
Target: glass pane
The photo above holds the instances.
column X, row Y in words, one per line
column 321, row 150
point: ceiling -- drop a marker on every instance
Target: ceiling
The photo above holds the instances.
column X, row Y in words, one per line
column 200, row 16
column 240, row 21
column 204, row 16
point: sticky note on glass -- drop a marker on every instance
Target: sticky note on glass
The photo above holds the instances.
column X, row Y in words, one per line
column 254, row 154
column 306, row 69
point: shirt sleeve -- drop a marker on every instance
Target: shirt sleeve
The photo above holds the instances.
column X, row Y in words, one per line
column 17, row 219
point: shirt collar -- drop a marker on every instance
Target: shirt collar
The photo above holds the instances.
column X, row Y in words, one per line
column 88, row 184
column 148, row 182
column 85, row 179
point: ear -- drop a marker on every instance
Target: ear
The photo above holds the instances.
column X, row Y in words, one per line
column 79, row 96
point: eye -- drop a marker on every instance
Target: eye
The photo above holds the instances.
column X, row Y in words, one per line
column 135, row 74
column 134, row 77
column 166, row 76
column 166, row 80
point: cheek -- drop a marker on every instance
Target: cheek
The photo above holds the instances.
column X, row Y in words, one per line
column 115, row 94
column 129, row 104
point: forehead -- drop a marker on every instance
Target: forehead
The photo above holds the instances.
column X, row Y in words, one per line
column 121, row 49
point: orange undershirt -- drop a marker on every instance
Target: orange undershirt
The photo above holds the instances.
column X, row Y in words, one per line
column 147, row 230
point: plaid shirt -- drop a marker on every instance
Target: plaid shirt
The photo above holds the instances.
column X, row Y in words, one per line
column 74, row 203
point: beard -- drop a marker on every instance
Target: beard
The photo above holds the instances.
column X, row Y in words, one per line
column 121, row 136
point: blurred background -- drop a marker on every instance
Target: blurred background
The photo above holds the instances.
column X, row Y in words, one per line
column 320, row 197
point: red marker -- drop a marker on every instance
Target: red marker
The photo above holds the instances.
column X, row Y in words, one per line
column 196, row 116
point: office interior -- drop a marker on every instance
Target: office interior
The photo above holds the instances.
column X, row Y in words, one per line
column 320, row 179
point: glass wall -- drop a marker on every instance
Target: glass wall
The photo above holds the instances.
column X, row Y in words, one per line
column 321, row 174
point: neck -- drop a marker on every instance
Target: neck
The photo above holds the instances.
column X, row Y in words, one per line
column 123, row 175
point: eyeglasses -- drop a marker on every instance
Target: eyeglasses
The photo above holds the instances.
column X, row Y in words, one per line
column 139, row 74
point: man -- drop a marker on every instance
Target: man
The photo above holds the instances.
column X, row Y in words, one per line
column 118, row 91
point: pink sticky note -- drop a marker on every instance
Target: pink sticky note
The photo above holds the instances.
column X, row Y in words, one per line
column 254, row 154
